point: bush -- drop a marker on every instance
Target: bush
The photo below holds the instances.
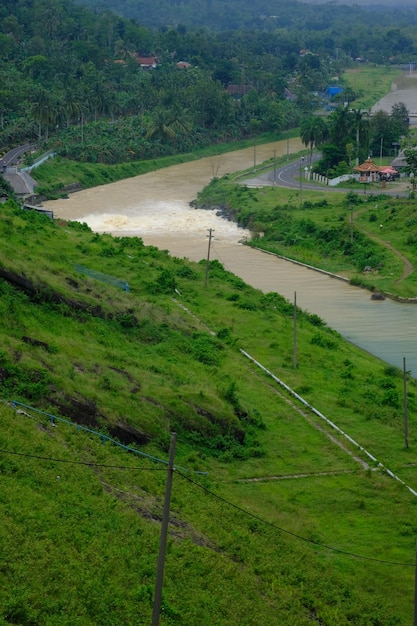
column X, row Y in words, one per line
column 319, row 339
column 206, row 350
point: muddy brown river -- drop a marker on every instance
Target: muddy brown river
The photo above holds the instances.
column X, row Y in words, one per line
column 156, row 207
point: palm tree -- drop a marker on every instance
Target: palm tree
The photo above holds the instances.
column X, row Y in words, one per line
column 72, row 103
column 159, row 126
column 166, row 124
column 45, row 110
column 313, row 133
column 359, row 124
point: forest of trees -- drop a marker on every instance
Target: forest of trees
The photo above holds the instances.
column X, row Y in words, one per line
column 339, row 24
column 70, row 77
column 348, row 136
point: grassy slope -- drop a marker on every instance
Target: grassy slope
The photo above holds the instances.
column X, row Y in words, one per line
column 79, row 543
column 371, row 83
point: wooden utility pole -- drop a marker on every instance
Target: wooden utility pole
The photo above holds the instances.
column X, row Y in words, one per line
column 301, row 179
column 164, row 533
column 295, row 332
column 415, row 594
column 405, row 405
column 275, row 167
column 208, row 255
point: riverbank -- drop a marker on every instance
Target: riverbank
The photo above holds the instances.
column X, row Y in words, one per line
column 374, row 295
column 156, row 208
column 57, row 178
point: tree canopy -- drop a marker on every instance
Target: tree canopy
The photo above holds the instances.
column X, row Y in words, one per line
column 71, row 76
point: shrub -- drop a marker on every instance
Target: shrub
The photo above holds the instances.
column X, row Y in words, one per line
column 205, row 349
column 319, row 339
column 165, row 282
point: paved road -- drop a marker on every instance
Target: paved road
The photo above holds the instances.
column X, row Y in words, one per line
column 288, row 176
column 13, row 156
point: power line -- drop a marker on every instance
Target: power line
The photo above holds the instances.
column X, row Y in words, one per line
column 54, row 418
column 53, row 460
column 292, row 534
column 215, row 495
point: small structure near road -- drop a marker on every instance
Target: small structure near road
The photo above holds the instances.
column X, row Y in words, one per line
column 388, row 173
column 368, row 171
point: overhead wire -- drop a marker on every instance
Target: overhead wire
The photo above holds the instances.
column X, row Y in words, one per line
column 291, row 533
column 88, row 463
column 218, row 497
column 180, row 471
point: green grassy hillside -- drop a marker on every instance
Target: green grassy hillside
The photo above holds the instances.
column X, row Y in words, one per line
column 293, row 523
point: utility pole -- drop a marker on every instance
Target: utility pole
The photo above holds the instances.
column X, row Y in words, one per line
column 208, row 256
column 275, row 167
column 415, row 594
column 164, row 532
column 295, row 332
column 351, row 224
column 405, row 405
column 301, row 180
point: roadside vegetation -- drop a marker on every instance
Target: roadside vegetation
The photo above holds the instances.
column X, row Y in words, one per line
column 135, row 365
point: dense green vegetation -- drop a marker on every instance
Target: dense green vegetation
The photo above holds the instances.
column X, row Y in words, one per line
column 71, row 77
column 348, row 136
column 137, row 364
column 350, row 234
column 72, row 80
column 362, row 30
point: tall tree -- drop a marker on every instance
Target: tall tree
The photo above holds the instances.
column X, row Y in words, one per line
column 340, row 126
column 400, row 120
column 313, row 133
column 382, row 134
column 360, row 123
column 45, row 110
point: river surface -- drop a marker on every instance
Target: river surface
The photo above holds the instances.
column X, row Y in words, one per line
column 156, row 207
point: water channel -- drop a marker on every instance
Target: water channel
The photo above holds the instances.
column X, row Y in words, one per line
column 156, row 207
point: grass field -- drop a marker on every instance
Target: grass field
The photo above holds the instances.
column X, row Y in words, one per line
column 293, row 524
column 371, row 83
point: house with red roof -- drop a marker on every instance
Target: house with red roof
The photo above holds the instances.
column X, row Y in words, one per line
column 147, row 63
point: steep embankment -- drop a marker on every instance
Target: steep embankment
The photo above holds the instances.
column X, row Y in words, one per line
column 138, row 338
